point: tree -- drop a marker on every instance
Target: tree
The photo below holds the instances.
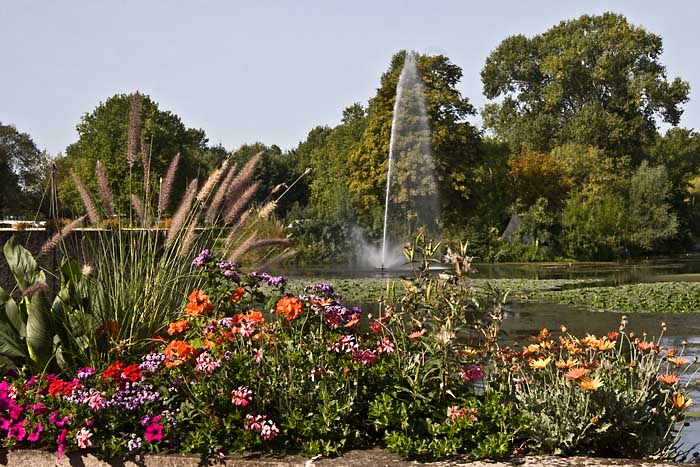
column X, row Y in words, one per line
column 595, row 80
column 103, row 135
column 454, row 141
column 23, row 172
column 535, row 175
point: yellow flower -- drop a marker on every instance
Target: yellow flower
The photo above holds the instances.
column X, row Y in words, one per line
column 564, row 365
column 605, row 344
column 540, row 363
column 680, row 401
column 588, row 384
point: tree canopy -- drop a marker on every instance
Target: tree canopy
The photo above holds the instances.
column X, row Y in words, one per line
column 103, row 135
column 595, row 80
column 23, row 171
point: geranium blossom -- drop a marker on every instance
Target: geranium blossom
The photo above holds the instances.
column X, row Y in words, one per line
column 474, row 373
column 199, row 303
column 177, row 353
column 206, row 364
column 241, row 396
column 290, row 307
column 177, row 327
column 83, row 438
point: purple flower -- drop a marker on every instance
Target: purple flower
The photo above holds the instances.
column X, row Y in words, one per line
column 152, row 362
column 229, row 269
column 134, row 443
column 202, row 258
column 272, row 281
column 86, row 372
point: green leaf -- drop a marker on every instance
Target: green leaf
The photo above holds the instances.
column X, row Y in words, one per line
column 11, row 344
column 15, row 318
column 39, row 330
column 21, row 263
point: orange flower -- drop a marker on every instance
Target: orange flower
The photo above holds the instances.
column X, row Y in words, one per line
column 590, row 341
column 604, row 344
column 177, row 353
column 177, row 327
column 255, row 317
column 575, row 373
column 208, row 344
column 290, row 307
column 588, row 384
column 237, row 294
column 110, row 328
column 645, row 346
column 417, row 334
column 679, row 401
column 668, row 379
column 678, row 361
column 532, row 348
column 199, row 303
column 565, row 365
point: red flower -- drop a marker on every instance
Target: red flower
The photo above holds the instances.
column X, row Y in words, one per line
column 60, row 387
column 131, row 373
column 114, row 371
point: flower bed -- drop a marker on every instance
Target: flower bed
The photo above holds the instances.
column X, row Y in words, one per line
column 249, row 366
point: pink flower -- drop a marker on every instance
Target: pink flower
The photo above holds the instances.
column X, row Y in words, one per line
column 17, row 431
column 36, row 431
column 61, row 442
column 206, row 364
column 95, row 399
column 474, row 373
column 241, row 396
column 269, row 430
column 257, row 355
column 453, row 412
column 154, row 431
column 366, row 357
column 385, row 345
column 83, row 438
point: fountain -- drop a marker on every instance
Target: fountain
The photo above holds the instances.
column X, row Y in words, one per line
column 411, row 199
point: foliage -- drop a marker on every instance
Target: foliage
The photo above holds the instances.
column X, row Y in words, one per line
column 535, row 175
column 613, row 396
column 23, row 171
column 648, row 211
column 593, row 226
column 321, row 241
column 103, row 135
column 535, row 240
column 595, row 80
column 660, row 297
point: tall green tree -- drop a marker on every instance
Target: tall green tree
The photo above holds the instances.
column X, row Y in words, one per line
column 595, row 80
column 23, row 173
column 454, row 141
column 103, row 135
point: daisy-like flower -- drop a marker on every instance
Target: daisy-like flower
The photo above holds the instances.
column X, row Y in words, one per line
column 588, row 384
column 575, row 373
column 679, row 401
column 668, row 379
column 417, row 334
column 678, row 361
column 645, row 346
column 540, row 363
column 566, row 364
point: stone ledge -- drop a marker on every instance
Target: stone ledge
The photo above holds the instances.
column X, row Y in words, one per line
column 359, row 458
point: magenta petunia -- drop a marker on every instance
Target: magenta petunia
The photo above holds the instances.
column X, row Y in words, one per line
column 154, row 431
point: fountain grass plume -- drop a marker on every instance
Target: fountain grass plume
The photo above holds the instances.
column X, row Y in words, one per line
column 243, row 247
column 230, row 238
column 215, row 205
column 134, row 128
column 237, row 205
column 243, row 178
column 104, row 190
column 267, row 209
column 146, row 160
column 211, row 182
column 139, row 209
column 182, row 213
column 280, row 258
column 85, row 197
column 166, row 186
column 61, row 235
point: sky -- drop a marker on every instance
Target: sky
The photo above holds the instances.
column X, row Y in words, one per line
column 270, row 71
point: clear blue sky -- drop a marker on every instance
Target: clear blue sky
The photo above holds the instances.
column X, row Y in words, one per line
column 258, row 70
